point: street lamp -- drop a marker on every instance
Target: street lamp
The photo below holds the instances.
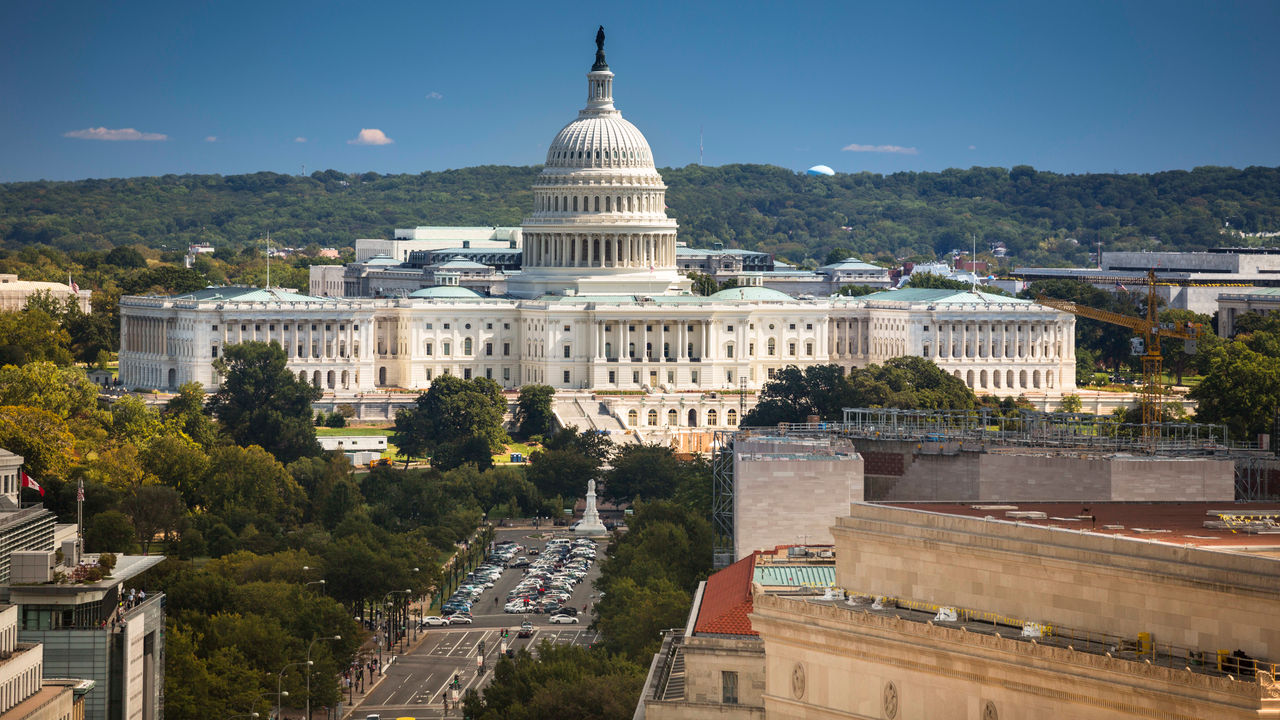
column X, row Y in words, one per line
column 280, row 693
column 309, row 663
column 316, row 582
column 267, row 694
column 387, row 610
column 246, row 715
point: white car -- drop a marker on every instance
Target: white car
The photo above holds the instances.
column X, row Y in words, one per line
column 564, row 620
column 459, row 619
column 435, row 621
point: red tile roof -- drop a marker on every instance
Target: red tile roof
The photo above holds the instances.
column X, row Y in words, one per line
column 726, row 601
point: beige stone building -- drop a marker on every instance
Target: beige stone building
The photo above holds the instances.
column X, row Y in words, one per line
column 965, row 614
column 14, row 293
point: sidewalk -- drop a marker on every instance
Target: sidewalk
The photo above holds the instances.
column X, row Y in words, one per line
column 388, row 660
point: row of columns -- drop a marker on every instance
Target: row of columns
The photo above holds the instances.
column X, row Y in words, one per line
column 993, row 340
column 145, row 335
column 599, row 250
column 680, row 335
column 340, row 340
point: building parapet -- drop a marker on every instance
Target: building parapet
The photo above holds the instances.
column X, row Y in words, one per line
column 1262, row 687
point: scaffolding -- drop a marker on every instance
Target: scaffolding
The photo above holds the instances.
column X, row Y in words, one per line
column 981, row 429
column 722, row 499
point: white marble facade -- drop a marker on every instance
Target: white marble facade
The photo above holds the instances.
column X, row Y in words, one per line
column 599, row 305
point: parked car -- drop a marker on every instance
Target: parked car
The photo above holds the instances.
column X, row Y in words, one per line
column 564, row 620
column 459, row 619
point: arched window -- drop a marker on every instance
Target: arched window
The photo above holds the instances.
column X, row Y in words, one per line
column 673, row 417
column 773, row 346
column 608, row 205
column 731, row 417
column 466, row 346
column 633, row 418
column 608, row 349
column 575, row 203
column 711, row 417
column 1022, row 379
column 968, row 380
column 597, row 203
column 653, row 417
column 631, row 350
column 329, row 380
column 302, row 376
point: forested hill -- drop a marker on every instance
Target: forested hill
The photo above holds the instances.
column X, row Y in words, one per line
column 1041, row 217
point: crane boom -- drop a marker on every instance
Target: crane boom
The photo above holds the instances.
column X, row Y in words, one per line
column 1151, row 331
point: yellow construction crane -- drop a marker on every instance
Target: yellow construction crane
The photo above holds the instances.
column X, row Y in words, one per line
column 1149, row 331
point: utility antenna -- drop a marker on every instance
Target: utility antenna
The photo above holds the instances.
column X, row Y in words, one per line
column 699, row 144
column 304, row 169
column 268, row 259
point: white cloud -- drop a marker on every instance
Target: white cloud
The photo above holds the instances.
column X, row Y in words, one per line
column 211, row 138
column 433, row 95
column 973, row 147
column 299, row 139
column 371, row 136
column 896, row 149
column 102, row 133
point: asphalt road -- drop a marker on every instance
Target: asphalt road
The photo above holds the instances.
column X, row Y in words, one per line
column 417, row 683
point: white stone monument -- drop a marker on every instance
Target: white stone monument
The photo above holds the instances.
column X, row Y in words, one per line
column 590, row 525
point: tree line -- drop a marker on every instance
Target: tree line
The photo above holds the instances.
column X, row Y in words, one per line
column 1041, row 218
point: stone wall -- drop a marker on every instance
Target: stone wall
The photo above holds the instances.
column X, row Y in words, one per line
column 1189, row 597
column 824, row 661
column 786, row 491
column 936, row 472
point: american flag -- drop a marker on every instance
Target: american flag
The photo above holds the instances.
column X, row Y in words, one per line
column 80, row 492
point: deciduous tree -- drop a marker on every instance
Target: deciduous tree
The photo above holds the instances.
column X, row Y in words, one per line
column 260, row 402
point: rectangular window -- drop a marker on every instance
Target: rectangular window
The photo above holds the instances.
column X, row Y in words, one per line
column 215, row 328
column 729, row 328
column 466, row 373
column 446, row 326
column 488, row 348
column 506, row 348
column 428, row 348
column 791, row 349
column 214, row 350
column 612, row 377
column 302, row 352
column 506, row 326
column 428, row 326
column 693, row 377
column 488, row 326
column 808, row 348
column 566, row 328
column 428, row 374
column 926, row 328
column 488, row 373
column 729, row 687
column 327, row 328
column 245, row 327
column 272, row 328
column 808, row 326
column 728, row 351
column 354, row 328
column 751, row 349
column 566, row 351
column 446, row 348
column 671, row 377
column 728, row 376
column 635, row 377
column 566, row 377
column 506, row 373
column 793, row 326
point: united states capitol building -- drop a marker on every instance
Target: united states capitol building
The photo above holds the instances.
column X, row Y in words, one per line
column 600, row 309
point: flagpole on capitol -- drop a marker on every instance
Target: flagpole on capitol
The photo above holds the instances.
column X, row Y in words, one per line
column 80, row 516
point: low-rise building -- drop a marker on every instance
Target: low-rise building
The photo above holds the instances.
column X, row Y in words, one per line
column 15, row 293
column 1232, row 304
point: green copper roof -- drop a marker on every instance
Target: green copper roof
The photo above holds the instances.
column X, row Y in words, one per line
column 752, row 294
column 445, row 291
column 1270, row 291
column 795, row 575
column 249, row 294
column 942, row 297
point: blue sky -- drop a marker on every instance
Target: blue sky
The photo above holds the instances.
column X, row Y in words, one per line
column 236, row 87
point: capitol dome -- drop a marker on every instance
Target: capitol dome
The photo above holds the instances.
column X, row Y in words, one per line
column 599, row 223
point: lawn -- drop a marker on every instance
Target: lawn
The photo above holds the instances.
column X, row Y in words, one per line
column 348, row 431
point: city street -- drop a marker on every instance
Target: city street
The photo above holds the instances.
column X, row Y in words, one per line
column 416, row 684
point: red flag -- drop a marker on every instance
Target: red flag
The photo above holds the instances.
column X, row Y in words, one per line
column 28, row 481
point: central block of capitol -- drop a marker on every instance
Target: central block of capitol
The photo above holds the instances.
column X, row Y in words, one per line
column 599, row 306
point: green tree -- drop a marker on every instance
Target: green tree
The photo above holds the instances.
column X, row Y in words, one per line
column 561, row 472
column 563, row 681
column 110, row 531
column 474, row 450
column 1070, row 404
column 533, row 410
column 1241, row 390
column 909, row 383
column 648, row 471
column 1174, row 352
column 857, row 290
column 260, row 402
column 40, row 437
column 31, row 336
column 188, row 411
column 453, row 409
column 249, row 477
column 703, row 284
column 795, row 394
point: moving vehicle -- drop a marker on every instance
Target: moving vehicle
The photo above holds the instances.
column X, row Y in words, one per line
column 564, row 620
column 435, row 620
column 526, row 630
column 459, row 619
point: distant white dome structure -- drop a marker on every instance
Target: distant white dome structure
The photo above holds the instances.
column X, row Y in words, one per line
column 819, row 170
column 599, row 224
